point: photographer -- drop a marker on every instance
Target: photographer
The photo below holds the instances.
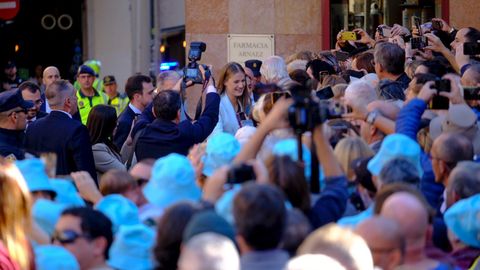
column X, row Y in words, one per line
column 167, row 134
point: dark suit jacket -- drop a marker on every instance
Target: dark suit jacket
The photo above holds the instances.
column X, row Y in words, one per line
column 66, row 137
column 161, row 137
column 124, row 124
column 41, row 114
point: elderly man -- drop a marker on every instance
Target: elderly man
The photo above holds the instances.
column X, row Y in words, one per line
column 389, row 63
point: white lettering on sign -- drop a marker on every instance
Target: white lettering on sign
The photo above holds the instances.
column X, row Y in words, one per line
column 8, row 5
column 245, row 47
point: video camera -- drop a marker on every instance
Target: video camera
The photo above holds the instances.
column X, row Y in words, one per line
column 192, row 72
column 307, row 112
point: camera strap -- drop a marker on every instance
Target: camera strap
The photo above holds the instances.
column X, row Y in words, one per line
column 198, row 110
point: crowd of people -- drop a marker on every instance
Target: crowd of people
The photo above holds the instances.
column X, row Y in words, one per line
column 361, row 157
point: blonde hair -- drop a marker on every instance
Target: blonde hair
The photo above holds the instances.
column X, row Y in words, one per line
column 351, row 148
column 15, row 214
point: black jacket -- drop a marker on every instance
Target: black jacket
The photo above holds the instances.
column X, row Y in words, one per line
column 67, row 137
column 11, row 142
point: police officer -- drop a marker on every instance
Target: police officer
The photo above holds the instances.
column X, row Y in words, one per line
column 88, row 96
column 13, row 121
column 115, row 99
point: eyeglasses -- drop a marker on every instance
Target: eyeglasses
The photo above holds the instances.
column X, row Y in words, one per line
column 37, row 102
column 68, row 236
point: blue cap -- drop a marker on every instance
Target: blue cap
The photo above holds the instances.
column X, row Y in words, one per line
column 289, row 148
column 221, row 150
column 66, row 193
column 132, row 248
column 255, row 66
column 208, row 221
column 33, row 170
column 12, row 99
column 46, row 213
column 84, row 69
column 50, row 257
column 463, row 219
column 396, row 146
column 173, row 180
column 119, row 209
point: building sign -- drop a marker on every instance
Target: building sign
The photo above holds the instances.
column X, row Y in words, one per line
column 244, row 47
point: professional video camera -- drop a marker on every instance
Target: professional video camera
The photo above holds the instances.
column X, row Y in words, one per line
column 192, row 72
column 308, row 111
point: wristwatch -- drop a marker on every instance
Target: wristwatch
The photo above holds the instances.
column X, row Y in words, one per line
column 371, row 116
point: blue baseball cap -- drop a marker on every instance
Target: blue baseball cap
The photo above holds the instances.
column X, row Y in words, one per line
column 66, row 193
column 46, row 213
column 50, row 257
column 12, row 99
column 396, row 146
column 33, row 170
column 84, row 69
column 132, row 248
column 173, row 180
column 224, row 205
column 463, row 219
column 120, row 210
column 221, row 150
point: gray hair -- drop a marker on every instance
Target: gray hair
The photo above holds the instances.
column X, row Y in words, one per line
column 297, row 64
column 57, row 92
column 464, row 179
column 399, row 170
column 274, row 69
column 209, row 251
column 168, row 75
column 360, row 92
column 391, row 57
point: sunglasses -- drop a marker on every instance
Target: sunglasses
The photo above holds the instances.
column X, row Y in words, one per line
column 68, row 236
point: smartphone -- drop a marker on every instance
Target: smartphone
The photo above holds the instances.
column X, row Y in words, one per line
column 241, row 173
column 437, row 25
column 471, row 48
column 416, row 24
column 349, row 35
column 440, row 102
column 419, row 42
column 341, row 56
column 386, row 32
column 325, row 93
column 471, row 93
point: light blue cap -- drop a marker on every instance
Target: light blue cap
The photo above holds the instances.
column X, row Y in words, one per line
column 120, row 210
column 66, row 193
column 50, row 257
column 463, row 219
column 224, row 205
column 173, row 180
column 396, row 146
column 132, row 248
column 33, row 170
column 221, row 150
column 46, row 213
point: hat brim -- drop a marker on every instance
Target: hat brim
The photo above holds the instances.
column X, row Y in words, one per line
column 26, row 104
column 256, row 73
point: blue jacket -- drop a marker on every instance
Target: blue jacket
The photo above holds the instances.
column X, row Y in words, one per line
column 331, row 204
column 124, row 124
column 67, row 137
column 11, row 142
column 408, row 123
column 161, row 137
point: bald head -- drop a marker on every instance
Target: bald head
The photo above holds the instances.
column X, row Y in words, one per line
column 471, row 77
column 50, row 74
column 449, row 149
column 385, row 239
column 411, row 214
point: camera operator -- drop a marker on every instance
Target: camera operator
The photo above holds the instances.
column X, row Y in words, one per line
column 167, row 134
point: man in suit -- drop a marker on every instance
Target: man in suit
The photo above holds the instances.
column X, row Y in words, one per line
column 13, row 115
column 31, row 92
column 60, row 134
column 167, row 134
column 139, row 89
